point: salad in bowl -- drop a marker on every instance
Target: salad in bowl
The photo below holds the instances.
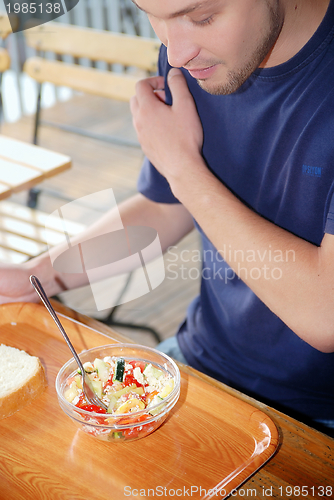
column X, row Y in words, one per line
column 138, row 385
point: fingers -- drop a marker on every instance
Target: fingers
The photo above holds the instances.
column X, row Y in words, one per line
column 149, row 92
column 178, row 86
column 161, row 94
column 148, row 86
column 154, row 87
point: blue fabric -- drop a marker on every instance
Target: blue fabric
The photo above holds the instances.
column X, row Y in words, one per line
column 171, row 347
column 272, row 144
column 329, row 228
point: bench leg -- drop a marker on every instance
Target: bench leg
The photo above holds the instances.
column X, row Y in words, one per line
column 38, row 114
column 1, row 103
column 33, row 195
column 34, row 192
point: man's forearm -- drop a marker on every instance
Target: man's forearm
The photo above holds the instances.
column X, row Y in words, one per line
column 294, row 278
column 171, row 222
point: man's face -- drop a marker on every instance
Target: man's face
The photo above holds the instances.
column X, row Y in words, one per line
column 220, row 42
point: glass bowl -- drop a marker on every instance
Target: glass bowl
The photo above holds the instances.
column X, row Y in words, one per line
column 127, row 426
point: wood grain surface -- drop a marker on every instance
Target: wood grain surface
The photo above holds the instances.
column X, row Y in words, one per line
column 211, row 439
column 24, row 165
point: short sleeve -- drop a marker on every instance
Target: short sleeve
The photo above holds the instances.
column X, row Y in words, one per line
column 329, row 227
column 153, row 185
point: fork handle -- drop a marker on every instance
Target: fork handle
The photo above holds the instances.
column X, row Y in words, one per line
column 44, row 298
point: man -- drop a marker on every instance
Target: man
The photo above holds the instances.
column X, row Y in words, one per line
column 259, row 137
column 241, row 143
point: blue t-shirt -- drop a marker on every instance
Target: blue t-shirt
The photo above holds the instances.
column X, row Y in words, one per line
column 272, row 144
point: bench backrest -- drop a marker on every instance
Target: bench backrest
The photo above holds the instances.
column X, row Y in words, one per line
column 96, row 45
column 4, row 60
column 26, row 232
column 5, row 30
column 5, row 26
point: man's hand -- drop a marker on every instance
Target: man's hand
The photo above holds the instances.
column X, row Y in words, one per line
column 15, row 285
column 170, row 136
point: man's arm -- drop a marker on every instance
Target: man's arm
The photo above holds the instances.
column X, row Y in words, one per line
column 171, row 221
column 302, row 292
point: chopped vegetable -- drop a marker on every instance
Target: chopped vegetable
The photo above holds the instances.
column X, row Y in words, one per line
column 88, row 367
column 102, row 369
column 126, row 387
column 119, row 370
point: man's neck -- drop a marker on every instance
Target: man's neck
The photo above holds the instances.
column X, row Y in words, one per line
column 301, row 20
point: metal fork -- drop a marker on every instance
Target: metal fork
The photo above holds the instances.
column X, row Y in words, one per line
column 86, row 383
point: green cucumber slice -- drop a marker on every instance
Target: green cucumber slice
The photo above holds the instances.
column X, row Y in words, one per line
column 119, row 370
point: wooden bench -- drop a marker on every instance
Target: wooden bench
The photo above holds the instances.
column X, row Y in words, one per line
column 26, row 232
column 5, row 30
column 6, row 25
column 23, row 232
column 137, row 56
column 4, row 60
column 4, row 66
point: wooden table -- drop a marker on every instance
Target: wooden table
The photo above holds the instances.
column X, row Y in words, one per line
column 39, row 462
column 305, row 456
column 24, row 165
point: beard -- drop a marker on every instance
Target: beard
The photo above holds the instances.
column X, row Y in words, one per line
column 236, row 78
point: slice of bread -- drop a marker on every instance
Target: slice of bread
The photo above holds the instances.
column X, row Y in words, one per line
column 22, row 379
